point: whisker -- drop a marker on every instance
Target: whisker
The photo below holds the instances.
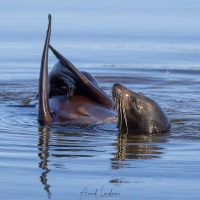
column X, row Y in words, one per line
column 121, row 111
column 120, row 108
column 120, row 114
column 116, row 104
column 125, row 116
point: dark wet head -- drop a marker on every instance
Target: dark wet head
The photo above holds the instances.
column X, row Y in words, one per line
column 137, row 112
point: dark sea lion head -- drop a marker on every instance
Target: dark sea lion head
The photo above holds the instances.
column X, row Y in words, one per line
column 138, row 113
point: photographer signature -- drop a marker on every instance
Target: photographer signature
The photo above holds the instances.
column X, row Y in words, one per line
column 98, row 192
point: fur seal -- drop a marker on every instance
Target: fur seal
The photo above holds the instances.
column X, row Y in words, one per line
column 137, row 112
column 67, row 94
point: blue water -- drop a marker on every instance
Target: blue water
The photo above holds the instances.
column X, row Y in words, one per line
column 149, row 46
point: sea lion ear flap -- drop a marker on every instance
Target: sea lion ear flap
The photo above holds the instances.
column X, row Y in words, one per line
column 44, row 114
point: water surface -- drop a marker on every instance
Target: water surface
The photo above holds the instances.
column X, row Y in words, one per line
column 150, row 47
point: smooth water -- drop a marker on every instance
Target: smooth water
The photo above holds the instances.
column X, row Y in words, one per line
column 149, row 46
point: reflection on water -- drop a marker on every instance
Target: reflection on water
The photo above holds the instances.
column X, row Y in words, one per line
column 43, row 147
column 138, row 147
column 63, row 144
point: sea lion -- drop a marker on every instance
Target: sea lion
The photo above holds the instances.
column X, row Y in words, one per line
column 137, row 112
column 67, row 94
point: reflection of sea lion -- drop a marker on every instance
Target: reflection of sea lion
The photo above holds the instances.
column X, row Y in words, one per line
column 137, row 112
column 70, row 95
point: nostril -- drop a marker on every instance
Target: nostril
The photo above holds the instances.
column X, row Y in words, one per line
column 117, row 85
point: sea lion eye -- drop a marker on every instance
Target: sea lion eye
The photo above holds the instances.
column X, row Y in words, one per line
column 138, row 106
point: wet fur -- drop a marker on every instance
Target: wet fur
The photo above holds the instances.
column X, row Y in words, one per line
column 70, row 95
column 131, row 117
